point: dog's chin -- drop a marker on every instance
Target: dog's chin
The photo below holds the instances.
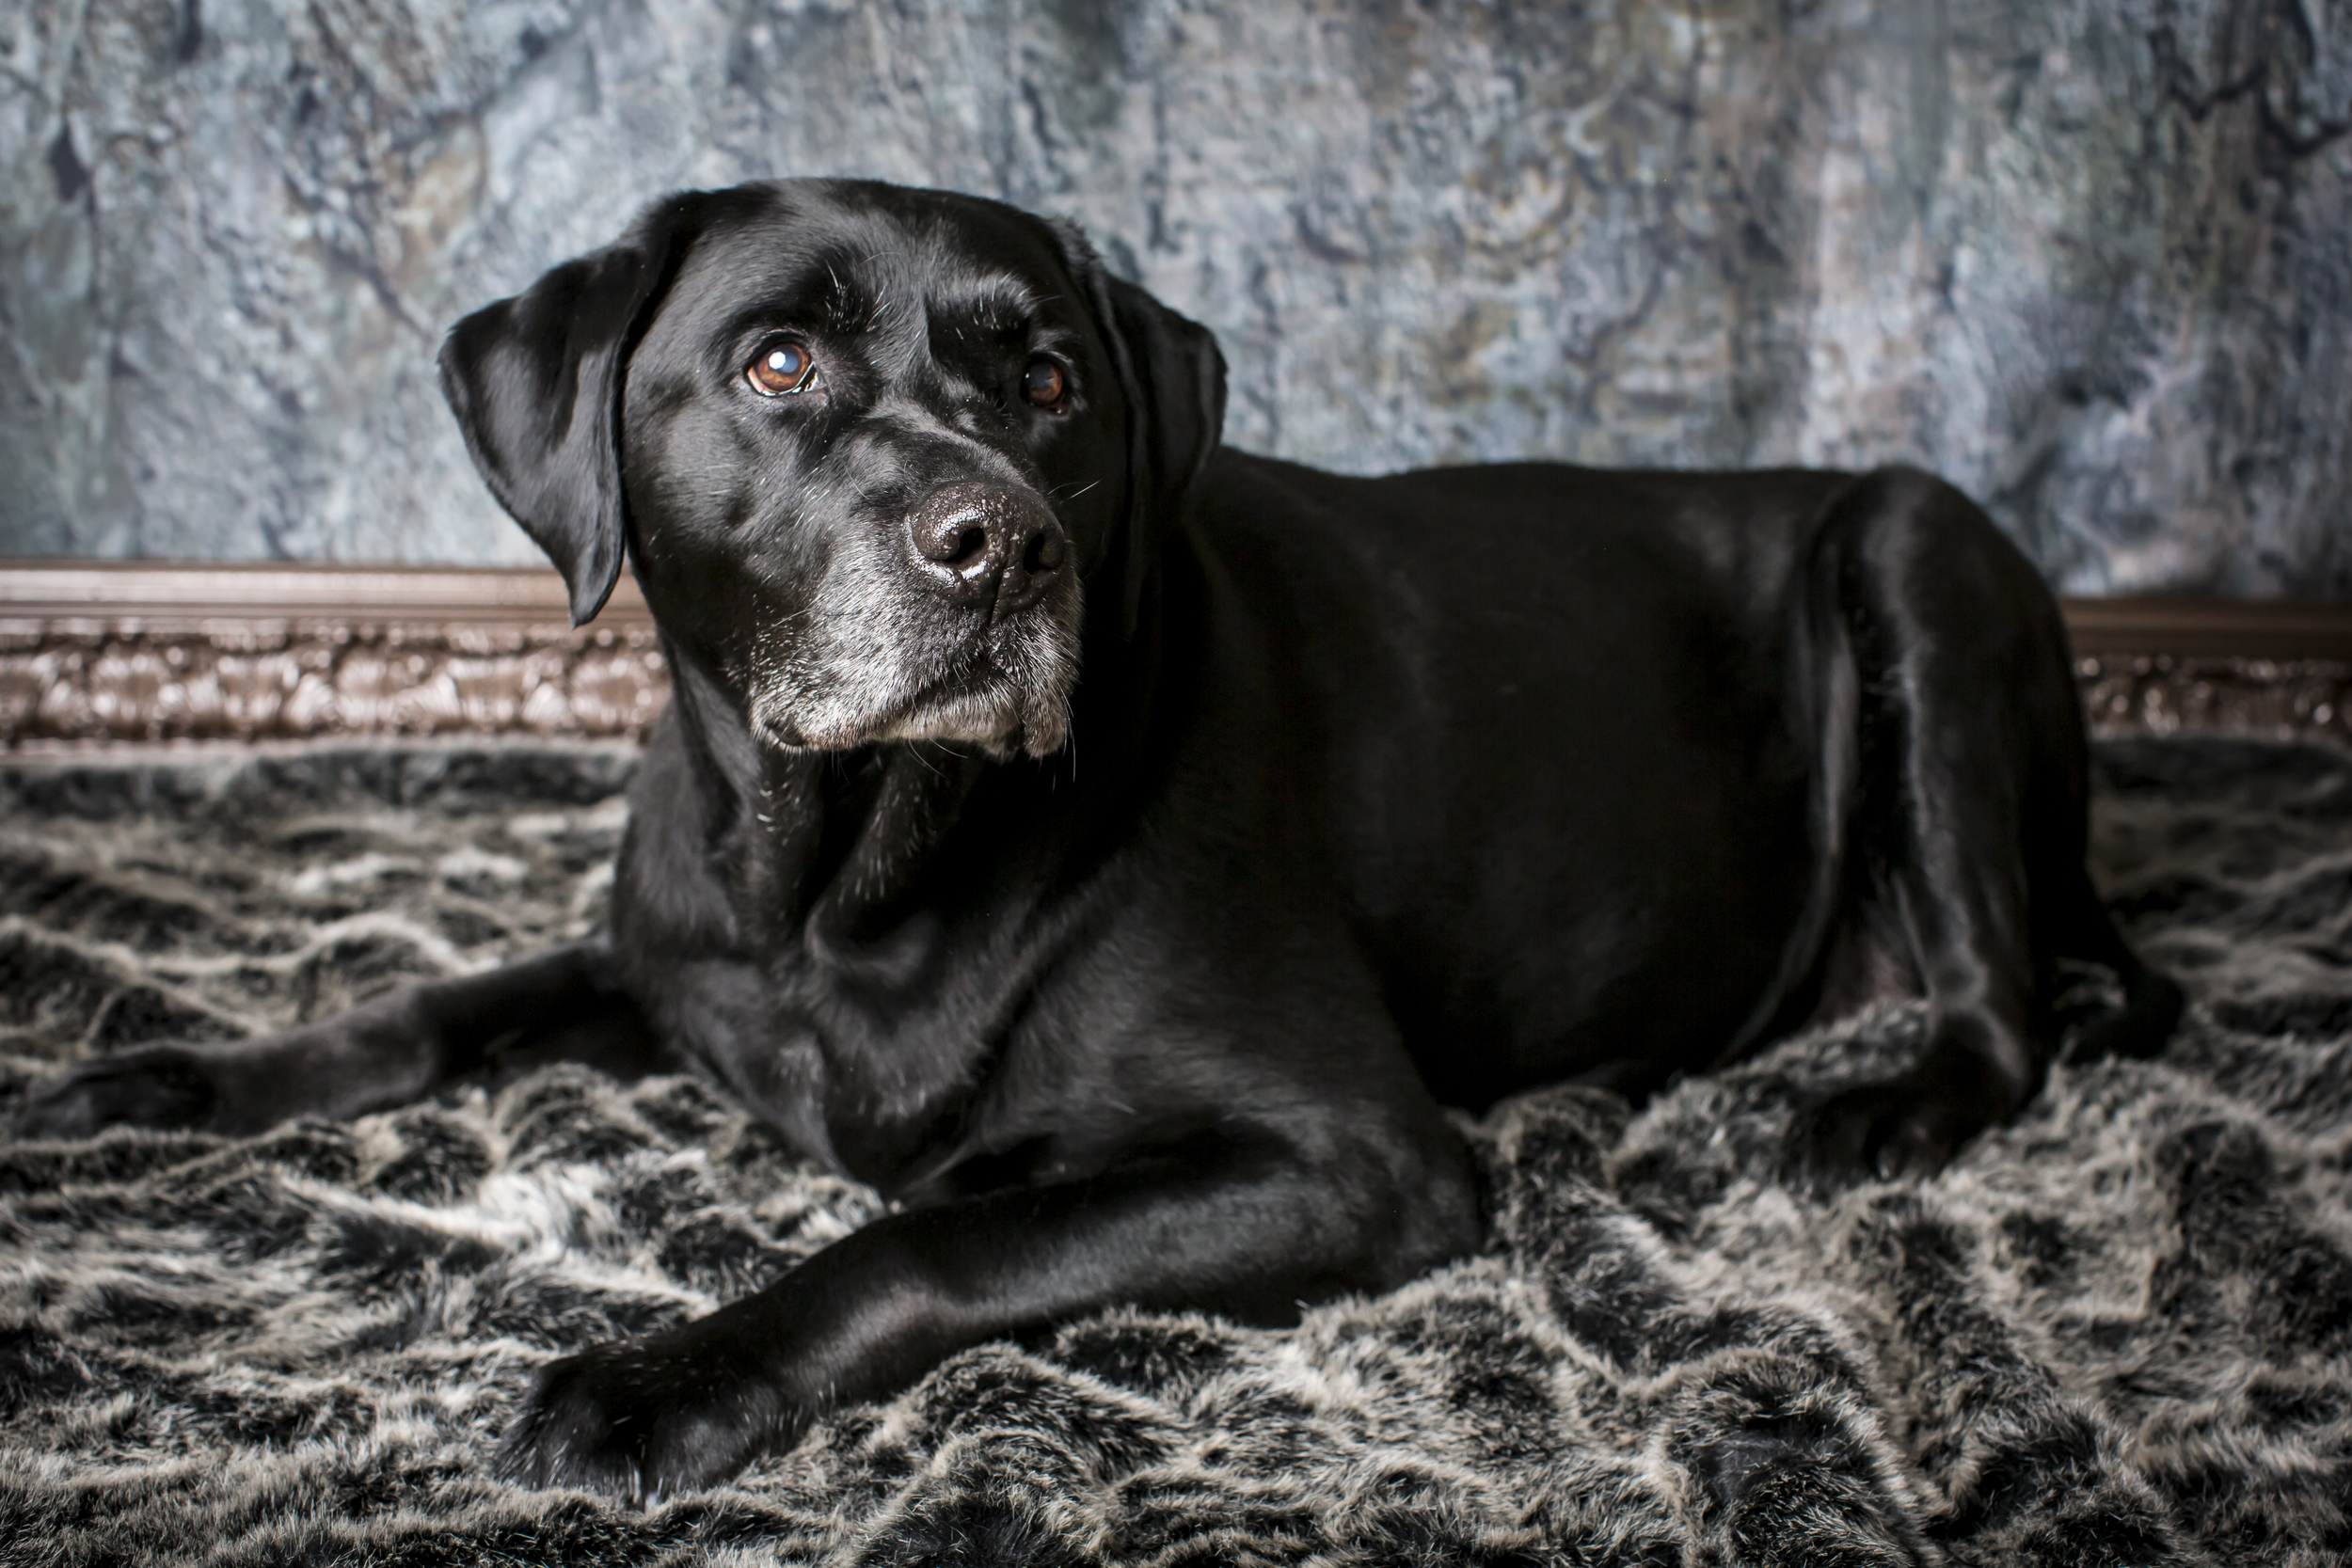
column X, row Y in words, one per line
column 1001, row 722
column 1002, row 691
column 987, row 711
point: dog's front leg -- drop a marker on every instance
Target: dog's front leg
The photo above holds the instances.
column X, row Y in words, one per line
column 1248, row 1226
column 381, row 1054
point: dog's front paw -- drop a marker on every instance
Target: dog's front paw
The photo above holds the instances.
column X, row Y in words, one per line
column 155, row 1086
column 643, row 1418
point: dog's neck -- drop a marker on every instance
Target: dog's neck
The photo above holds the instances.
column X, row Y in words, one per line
column 824, row 851
column 838, row 843
column 812, row 841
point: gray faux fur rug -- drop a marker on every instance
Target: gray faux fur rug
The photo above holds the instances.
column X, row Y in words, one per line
column 2117, row 1332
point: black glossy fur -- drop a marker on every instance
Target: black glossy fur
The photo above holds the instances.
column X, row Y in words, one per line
column 1118, row 848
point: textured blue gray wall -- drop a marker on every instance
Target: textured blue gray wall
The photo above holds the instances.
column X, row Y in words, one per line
column 2090, row 258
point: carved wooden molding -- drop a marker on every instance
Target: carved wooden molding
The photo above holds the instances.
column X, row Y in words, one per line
column 2304, row 699
column 103, row 652
column 2160, row 664
column 106, row 651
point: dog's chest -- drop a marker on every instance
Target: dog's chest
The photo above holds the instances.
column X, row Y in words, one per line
column 877, row 1052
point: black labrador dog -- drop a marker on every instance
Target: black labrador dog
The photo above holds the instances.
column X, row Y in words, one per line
column 1118, row 848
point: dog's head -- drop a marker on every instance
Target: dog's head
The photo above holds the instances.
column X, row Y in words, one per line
column 871, row 449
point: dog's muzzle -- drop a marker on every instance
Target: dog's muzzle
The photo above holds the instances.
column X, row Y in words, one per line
column 989, row 547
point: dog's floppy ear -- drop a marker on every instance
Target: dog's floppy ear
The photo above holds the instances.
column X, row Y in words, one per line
column 1173, row 378
column 1176, row 416
column 535, row 382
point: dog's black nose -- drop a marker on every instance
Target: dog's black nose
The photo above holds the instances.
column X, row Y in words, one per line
column 988, row 545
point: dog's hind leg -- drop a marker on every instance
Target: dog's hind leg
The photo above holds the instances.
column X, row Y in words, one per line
column 1972, row 819
column 564, row 1004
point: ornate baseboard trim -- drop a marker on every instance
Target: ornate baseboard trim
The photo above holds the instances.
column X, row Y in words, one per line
column 96, row 653
column 2161, row 664
column 2304, row 699
column 106, row 653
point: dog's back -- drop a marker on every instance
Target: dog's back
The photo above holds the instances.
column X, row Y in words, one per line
column 1545, row 727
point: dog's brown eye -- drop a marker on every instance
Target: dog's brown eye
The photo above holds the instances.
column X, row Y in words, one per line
column 1043, row 384
column 781, row 366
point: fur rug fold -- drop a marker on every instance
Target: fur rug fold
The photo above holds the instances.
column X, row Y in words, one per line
column 2119, row 1332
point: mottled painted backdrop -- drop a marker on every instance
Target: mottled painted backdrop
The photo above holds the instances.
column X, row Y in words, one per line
column 2091, row 258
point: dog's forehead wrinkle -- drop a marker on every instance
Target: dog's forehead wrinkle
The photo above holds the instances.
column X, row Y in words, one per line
column 897, row 336
column 998, row 301
column 901, row 418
